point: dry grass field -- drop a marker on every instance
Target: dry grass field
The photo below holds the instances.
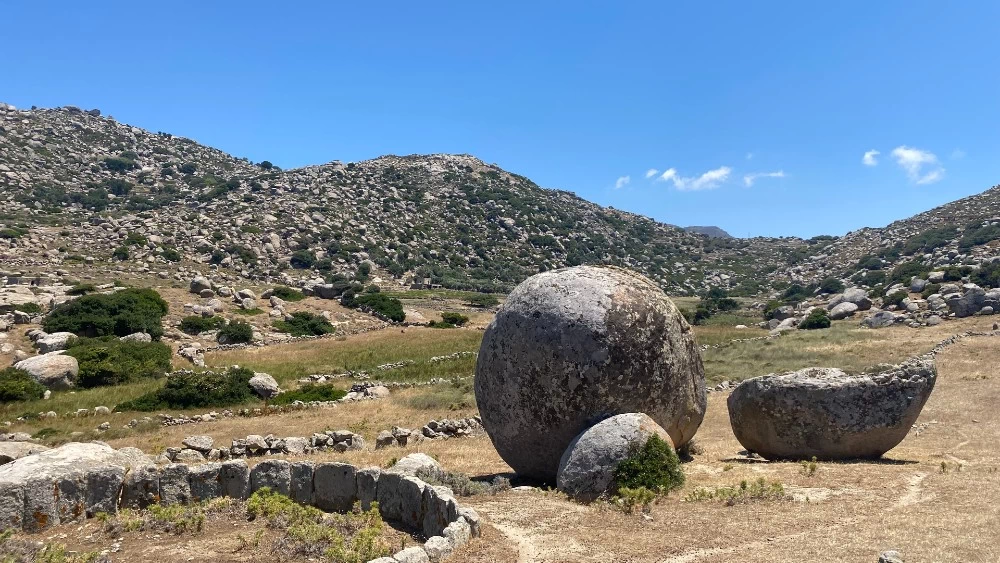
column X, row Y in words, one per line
column 934, row 497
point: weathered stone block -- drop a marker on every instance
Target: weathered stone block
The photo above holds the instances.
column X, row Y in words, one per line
column 411, row 497
column 11, row 506
column 335, row 486
column 302, row 482
column 174, row 485
column 234, row 479
column 142, row 487
column 104, row 489
column 367, row 480
column 205, row 481
column 275, row 474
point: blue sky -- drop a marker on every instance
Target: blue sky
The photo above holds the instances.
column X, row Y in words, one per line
column 575, row 95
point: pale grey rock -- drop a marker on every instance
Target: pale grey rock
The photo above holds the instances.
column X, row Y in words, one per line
column 264, row 386
column 458, row 532
column 587, row 467
column 917, row 285
column 880, row 319
column 440, row 509
column 859, row 297
column 388, row 495
column 827, row 414
column 295, row 445
column 188, row 455
column 970, row 303
column 10, row 451
column 41, row 509
column 411, row 464
column 572, row 346
column 842, row 311
column 137, row 337
column 890, row 556
column 199, row 443
column 335, row 486
column 384, row 439
column 274, row 474
column 472, row 517
column 53, row 370
column 54, row 342
column 199, row 284
column 412, row 555
column 438, row 548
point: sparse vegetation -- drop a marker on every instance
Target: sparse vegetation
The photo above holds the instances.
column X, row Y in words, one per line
column 462, row 485
column 380, row 304
column 197, row 324
column 237, row 332
column 746, row 492
column 311, row 392
column 287, row 293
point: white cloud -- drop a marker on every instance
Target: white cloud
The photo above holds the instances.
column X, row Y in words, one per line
column 749, row 179
column 651, row 172
column 707, row 181
column 869, row 158
column 914, row 161
column 622, row 182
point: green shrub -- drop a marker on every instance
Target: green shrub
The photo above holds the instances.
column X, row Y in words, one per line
column 118, row 164
column 461, row 484
column 930, row 289
column 196, row 390
column 870, row 263
column 120, row 314
column 439, row 324
column 831, row 285
column 895, row 299
column 188, row 168
column 18, row 385
column 81, row 289
column 302, row 259
column 904, row 272
column 135, row 239
column 653, row 465
column 483, row 300
column 197, row 324
column 988, row 274
column 976, row 236
column 378, row 304
column 171, row 255
column 12, row 233
column 818, row 318
column 311, row 392
column 110, row 361
column 304, row 324
column 120, row 253
column 875, row 277
column 30, row 308
column 237, row 332
column 771, row 307
column 456, row 319
column 287, row 293
column 929, row 240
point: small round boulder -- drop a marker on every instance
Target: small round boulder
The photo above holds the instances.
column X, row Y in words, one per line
column 587, row 468
column 574, row 346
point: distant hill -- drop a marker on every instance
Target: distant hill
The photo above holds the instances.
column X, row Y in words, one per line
column 84, row 187
column 713, row 232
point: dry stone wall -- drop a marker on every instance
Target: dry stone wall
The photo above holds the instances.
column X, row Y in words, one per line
column 38, row 503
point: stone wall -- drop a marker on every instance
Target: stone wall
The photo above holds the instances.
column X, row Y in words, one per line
column 34, row 505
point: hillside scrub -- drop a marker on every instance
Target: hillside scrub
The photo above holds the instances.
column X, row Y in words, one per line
column 197, row 324
column 110, row 361
column 653, row 465
column 818, row 318
column 287, row 293
column 119, row 314
column 187, row 390
column 237, row 332
column 378, row 304
column 18, row 385
column 302, row 323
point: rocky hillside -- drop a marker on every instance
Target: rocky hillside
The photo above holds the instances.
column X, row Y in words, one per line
column 961, row 236
column 80, row 188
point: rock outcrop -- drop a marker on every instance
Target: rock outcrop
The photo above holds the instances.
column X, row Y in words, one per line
column 827, row 414
column 587, row 468
column 571, row 347
column 53, row 370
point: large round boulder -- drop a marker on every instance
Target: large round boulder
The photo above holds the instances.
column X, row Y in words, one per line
column 574, row 346
column 827, row 414
column 587, row 467
column 53, row 370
